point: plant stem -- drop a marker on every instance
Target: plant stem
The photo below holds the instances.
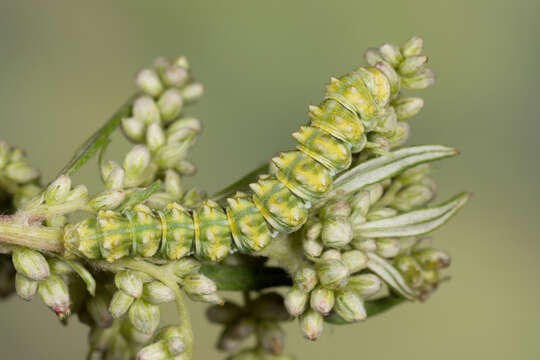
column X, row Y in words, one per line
column 35, row 237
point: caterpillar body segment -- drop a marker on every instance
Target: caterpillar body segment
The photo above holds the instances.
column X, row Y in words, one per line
column 354, row 105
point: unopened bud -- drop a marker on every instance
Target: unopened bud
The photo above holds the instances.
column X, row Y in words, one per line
column 192, row 92
column 173, row 184
column 373, row 56
column 212, row 298
column 306, row 279
column 310, row 240
column 350, row 306
column 30, row 263
column 58, row 190
column 155, row 351
column 116, row 179
column 333, row 274
column 155, row 292
column 413, row 46
column 364, row 285
column 174, row 338
column 170, row 104
column 59, row 267
column 199, row 284
column 388, row 247
column 331, row 254
column 271, row 337
column 223, row 314
column 21, row 172
column 407, row 107
column 120, row 304
column 412, row 197
column 182, row 61
column 25, row 287
column 411, row 270
column 312, row 325
column 175, row 75
column 107, row 200
column 336, row 208
column 155, row 137
column 169, row 155
column 391, row 54
column 193, row 197
column 295, row 301
column 355, row 260
column 183, row 129
column 365, row 245
column 129, row 282
column 412, row 64
column 160, row 64
column 146, row 110
column 185, row 266
column 54, row 293
column 391, row 74
column 270, row 306
column 322, row 300
column 186, row 167
column 421, row 80
column 137, row 161
column 148, row 81
column 134, row 129
column 98, row 309
column 432, row 259
column 337, row 232
column 144, row 316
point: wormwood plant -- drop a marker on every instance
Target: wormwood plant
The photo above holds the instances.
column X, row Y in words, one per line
column 338, row 225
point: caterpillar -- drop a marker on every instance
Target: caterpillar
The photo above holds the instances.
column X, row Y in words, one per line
column 280, row 202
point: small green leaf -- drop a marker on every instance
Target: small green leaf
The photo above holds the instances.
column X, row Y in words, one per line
column 413, row 223
column 373, row 307
column 137, row 196
column 390, row 275
column 85, row 275
column 243, row 278
column 91, row 146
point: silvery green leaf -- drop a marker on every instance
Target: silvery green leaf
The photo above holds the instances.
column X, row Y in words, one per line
column 390, row 275
column 384, row 167
column 413, row 223
column 85, row 275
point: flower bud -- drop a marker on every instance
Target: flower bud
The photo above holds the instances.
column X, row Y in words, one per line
column 120, row 304
column 182, row 61
column 25, row 287
column 269, row 306
column 116, row 179
column 213, row 298
column 160, row 64
column 333, row 274
column 355, row 260
column 192, row 92
column 413, row 46
column 412, row 64
column 174, row 339
column 58, row 190
column 155, row 137
column 310, row 240
column 350, row 306
column 79, row 193
column 193, row 197
column 311, row 324
column 335, row 208
column 21, row 172
column 173, row 184
column 271, row 337
column 336, row 232
column 432, row 259
column 30, row 263
column 365, row 285
column 155, row 351
column 361, row 202
column 322, row 300
column 331, row 254
column 407, row 107
column 412, row 197
column 199, row 284
column 148, row 81
column 155, row 292
column 144, row 316
column 169, row 155
column 185, row 266
column 59, row 267
column 391, row 54
column 373, row 56
column 412, row 272
column 134, row 129
column 170, row 104
column 4, row 154
column 98, row 309
column 146, row 110
column 54, row 293
column 175, row 75
column 182, row 129
column 107, row 200
column 392, row 76
column 186, row 168
column 381, row 213
column 388, row 247
column 129, row 282
column 223, row 314
column 421, row 80
column 306, row 279
column 365, row 245
column 137, row 161
column 295, row 301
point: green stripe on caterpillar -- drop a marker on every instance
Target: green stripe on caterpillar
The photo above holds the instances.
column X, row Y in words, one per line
column 352, row 107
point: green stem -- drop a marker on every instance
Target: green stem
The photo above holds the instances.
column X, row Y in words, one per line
column 35, row 237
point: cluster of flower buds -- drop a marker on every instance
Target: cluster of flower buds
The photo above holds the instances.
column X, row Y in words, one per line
column 259, row 317
column 405, row 68
column 169, row 343
column 17, row 177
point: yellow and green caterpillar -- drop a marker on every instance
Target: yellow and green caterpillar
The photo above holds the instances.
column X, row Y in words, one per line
column 278, row 202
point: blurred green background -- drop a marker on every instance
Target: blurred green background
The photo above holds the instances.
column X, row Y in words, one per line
column 65, row 66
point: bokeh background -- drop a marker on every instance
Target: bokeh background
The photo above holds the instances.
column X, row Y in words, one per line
column 65, row 66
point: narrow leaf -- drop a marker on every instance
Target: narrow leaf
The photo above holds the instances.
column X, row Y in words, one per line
column 384, row 167
column 243, row 278
column 137, row 196
column 85, row 275
column 373, row 307
column 390, row 275
column 91, row 146
column 413, row 223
